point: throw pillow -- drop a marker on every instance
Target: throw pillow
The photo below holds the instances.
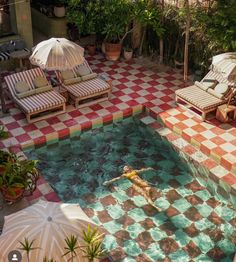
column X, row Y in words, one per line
column 25, row 94
column 221, row 88
column 67, row 74
column 21, row 87
column 214, row 93
column 210, row 83
column 83, row 70
column 88, row 77
column 72, row 81
column 43, row 89
column 201, row 85
column 40, row 81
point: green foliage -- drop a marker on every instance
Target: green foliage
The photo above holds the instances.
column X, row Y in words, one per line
column 93, row 244
column 221, row 26
column 27, row 246
column 3, row 134
column 149, row 14
column 71, row 246
column 17, row 173
column 117, row 16
column 86, row 15
column 45, row 259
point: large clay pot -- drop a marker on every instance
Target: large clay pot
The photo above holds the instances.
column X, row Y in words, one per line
column 59, row 11
column 13, row 194
column 112, row 51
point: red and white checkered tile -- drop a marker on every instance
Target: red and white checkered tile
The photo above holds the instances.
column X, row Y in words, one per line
column 132, row 85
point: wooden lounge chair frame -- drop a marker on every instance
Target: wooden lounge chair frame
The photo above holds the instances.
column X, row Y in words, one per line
column 213, row 76
column 89, row 99
column 43, row 105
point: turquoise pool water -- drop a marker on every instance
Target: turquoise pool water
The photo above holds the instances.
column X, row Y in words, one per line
column 193, row 225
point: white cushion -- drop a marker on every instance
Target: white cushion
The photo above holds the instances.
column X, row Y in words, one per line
column 210, row 83
column 21, row 87
column 201, row 85
column 221, row 88
column 214, row 93
column 40, row 81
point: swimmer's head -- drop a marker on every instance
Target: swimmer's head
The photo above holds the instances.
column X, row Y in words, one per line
column 127, row 169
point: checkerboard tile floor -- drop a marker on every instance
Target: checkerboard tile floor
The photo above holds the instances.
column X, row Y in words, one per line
column 134, row 85
column 213, row 138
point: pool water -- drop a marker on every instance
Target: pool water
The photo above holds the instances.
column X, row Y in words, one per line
column 192, row 226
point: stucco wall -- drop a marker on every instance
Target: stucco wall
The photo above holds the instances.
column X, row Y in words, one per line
column 23, row 21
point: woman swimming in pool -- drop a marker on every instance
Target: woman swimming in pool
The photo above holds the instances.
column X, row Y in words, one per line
column 141, row 186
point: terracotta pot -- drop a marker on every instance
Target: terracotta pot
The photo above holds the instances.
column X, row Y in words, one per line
column 112, row 51
column 103, row 48
column 8, row 195
column 128, row 55
column 59, row 11
column 91, row 49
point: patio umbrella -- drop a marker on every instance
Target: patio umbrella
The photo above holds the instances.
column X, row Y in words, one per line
column 49, row 223
column 218, row 58
column 57, row 54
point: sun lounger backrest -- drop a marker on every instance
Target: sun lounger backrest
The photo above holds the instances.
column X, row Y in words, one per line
column 27, row 76
column 85, row 63
column 217, row 76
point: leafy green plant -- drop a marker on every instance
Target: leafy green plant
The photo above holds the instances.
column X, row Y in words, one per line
column 27, row 246
column 45, row 259
column 17, row 173
column 117, row 16
column 71, row 247
column 3, row 134
column 86, row 15
column 93, row 244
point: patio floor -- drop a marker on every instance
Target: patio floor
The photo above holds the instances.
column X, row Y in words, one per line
column 133, row 85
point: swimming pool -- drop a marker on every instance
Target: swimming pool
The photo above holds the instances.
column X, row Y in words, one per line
column 193, row 225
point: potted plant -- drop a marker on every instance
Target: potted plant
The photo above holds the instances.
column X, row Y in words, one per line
column 71, row 247
column 91, row 49
column 86, row 16
column 128, row 53
column 27, row 246
column 18, row 177
column 117, row 19
column 59, row 8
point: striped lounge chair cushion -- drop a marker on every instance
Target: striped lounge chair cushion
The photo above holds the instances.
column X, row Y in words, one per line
column 6, row 55
column 41, row 101
column 37, row 102
column 87, row 88
column 199, row 98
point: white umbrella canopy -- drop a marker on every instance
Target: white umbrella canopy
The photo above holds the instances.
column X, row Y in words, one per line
column 49, row 223
column 218, row 58
column 57, row 54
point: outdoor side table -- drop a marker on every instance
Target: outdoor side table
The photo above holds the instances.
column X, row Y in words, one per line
column 61, row 90
column 20, row 55
column 226, row 113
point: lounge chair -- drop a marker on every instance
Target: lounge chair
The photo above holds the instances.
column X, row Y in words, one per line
column 84, row 86
column 202, row 95
column 37, row 102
